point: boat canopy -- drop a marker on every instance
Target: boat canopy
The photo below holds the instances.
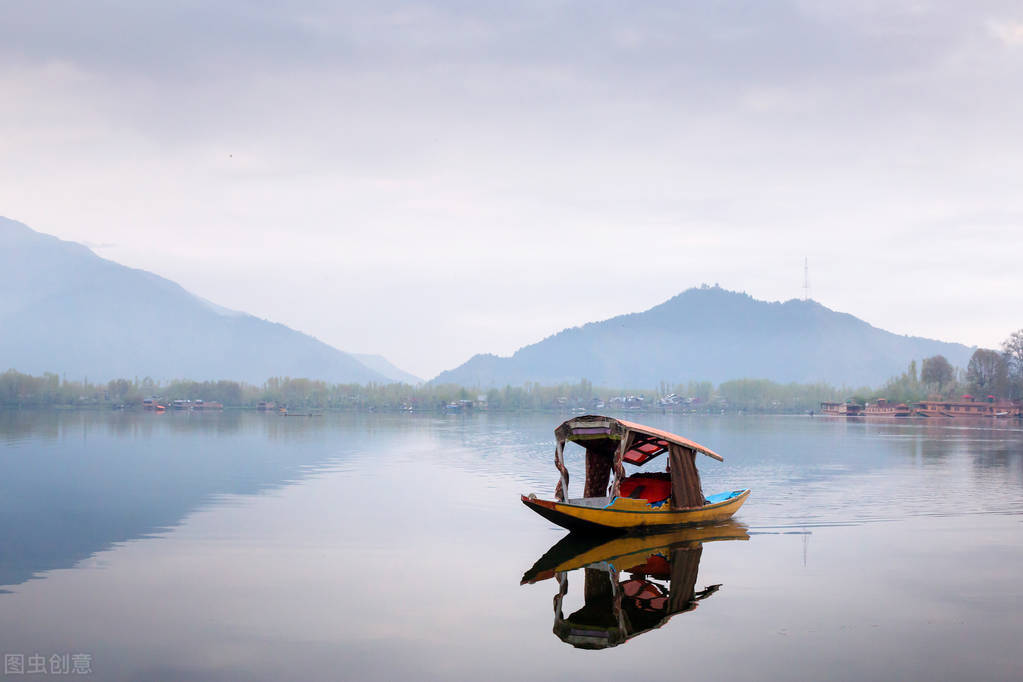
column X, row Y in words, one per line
column 650, row 443
column 609, row 442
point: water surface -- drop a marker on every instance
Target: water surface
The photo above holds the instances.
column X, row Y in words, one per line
column 243, row 546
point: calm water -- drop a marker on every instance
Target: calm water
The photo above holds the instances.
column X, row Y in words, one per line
column 244, row 546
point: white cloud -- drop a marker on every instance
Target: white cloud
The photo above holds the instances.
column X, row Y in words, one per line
column 362, row 170
column 1008, row 32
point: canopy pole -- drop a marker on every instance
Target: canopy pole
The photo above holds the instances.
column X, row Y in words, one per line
column 559, row 461
column 616, row 591
column 617, row 466
column 562, row 579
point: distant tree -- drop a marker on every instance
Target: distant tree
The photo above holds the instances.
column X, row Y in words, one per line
column 938, row 371
column 903, row 388
column 987, row 373
column 229, row 392
column 699, row 389
column 1012, row 350
column 122, row 390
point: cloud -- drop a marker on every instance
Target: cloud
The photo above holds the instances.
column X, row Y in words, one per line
column 360, row 169
column 1010, row 33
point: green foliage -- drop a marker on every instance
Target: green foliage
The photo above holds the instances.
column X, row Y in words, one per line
column 757, row 395
column 762, row 395
column 1000, row 374
column 988, row 373
column 904, row 388
column 937, row 373
column 1012, row 350
column 17, row 389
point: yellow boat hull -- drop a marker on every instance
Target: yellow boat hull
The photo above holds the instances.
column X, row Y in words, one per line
column 628, row 515
column 576, row 551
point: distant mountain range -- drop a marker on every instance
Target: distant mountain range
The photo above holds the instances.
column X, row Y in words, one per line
column 64, row 309
column 710, row 334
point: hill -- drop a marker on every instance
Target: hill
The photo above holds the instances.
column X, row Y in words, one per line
column 710, row 334
column 378, row 363
column 64, row 309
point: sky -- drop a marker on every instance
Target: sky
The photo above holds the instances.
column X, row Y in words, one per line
column 429, row 181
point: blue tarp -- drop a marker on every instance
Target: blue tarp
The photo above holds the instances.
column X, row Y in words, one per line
column 721, row 497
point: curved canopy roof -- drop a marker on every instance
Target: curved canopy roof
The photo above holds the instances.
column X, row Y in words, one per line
column 647, row 441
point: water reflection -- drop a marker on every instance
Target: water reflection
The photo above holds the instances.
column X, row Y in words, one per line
column 631, row 584
column 76, row 483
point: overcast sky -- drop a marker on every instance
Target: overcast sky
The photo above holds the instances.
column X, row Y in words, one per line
column 432, row 180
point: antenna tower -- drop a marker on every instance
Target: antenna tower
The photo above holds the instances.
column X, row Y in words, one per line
column 806, row 279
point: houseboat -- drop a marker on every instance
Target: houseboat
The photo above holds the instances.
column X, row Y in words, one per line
column 882, row 408
column 967, row 406
column 643, row 501
column 846, row 409
column 153, row 404
column 266, row 406
column 207, row 405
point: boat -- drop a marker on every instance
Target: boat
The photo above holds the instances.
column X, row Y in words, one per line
column 846, row 409
column 632, row 584
column 642, row 502
column 882, row 408
column 967, row 406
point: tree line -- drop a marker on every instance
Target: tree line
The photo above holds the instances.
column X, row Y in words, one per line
column 23, row 390
column 989, row 372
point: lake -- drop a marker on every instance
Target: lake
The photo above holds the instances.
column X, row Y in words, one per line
column 380, row 547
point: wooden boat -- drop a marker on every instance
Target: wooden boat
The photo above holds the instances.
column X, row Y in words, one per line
column 882, row 408
column 642, row 502
column 632, row 584
column 846, row 409
column 967, row 407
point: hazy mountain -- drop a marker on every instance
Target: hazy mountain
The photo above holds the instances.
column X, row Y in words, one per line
column 378, row 363
column 710, row 334
column 64, row 309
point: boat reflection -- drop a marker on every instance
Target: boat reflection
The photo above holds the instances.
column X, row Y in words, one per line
column 631, row 584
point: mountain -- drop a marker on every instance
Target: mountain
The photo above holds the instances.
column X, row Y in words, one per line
column 64, row 309
column 378, row 363
column 710, row 334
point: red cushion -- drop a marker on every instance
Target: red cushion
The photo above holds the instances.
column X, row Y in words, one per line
column 650, row 488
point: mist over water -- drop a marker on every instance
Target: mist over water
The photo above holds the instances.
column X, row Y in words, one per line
column 246, row 546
